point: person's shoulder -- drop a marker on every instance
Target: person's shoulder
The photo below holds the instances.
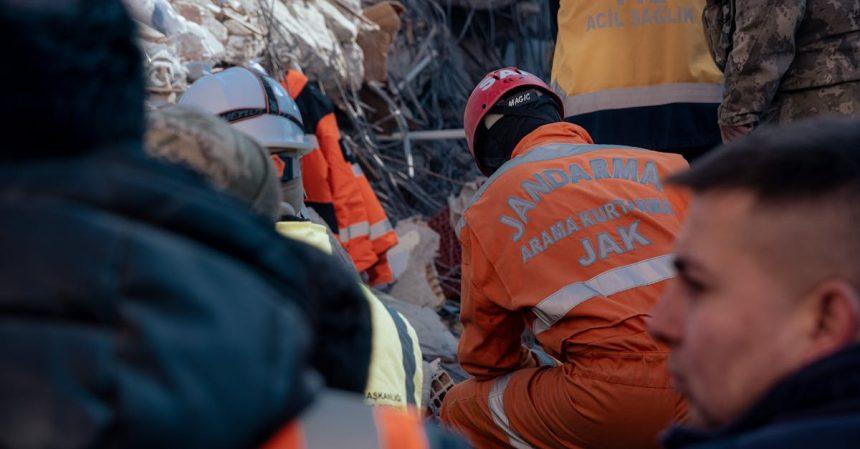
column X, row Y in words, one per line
column 672, row 160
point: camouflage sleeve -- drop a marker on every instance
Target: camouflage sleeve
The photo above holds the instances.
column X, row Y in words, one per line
column 763, row 46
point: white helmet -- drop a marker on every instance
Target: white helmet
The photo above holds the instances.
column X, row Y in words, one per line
column 254, row 104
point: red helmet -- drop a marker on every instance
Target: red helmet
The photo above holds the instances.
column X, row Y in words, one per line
column 491, row 89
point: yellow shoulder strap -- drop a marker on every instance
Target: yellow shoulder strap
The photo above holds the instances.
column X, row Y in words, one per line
column 307, row 232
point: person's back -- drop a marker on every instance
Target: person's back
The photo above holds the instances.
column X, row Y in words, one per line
column 121, row 321
column 331, row 189
column 808, row 66
column 566, row 221
column 824, row 77
column 573, row 241
column 331, row 185
column 785, row 62
column 638, row 73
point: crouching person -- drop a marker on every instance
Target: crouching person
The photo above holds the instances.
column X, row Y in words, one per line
column 763, row 319
column 260, row 107
column 242, row 168
column 572, row 241
column 236, row 164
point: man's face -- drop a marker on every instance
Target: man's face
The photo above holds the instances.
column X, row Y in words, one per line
column 728, row 316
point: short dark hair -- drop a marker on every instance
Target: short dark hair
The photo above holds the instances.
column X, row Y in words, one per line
column 73, row 79
column 809, row 169
column 802, row 161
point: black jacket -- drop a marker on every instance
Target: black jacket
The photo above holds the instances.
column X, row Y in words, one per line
column 139, row 308
column 818, row 407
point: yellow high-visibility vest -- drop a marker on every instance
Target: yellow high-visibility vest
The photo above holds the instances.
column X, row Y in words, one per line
column 615, row 54
column 396, row 373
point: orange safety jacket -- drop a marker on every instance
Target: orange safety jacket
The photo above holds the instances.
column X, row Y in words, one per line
column 571, row 239
column 338, row 421
column 382, row 235
column 328, row 179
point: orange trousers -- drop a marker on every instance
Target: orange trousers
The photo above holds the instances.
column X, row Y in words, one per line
column 600, row 400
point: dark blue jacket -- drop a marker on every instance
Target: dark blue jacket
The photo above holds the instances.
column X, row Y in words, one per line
column 818, row 407
column 140, row 308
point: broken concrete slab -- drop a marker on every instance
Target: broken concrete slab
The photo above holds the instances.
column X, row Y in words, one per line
column 419, row 283
column 317, row 35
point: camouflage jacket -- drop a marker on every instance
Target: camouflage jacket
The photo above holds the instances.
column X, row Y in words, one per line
column 765, row 47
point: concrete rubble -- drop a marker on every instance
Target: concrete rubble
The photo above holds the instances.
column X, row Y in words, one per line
column 183, row 39
column 419, row 281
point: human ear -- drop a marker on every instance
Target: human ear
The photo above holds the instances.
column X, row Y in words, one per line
column 836, row 305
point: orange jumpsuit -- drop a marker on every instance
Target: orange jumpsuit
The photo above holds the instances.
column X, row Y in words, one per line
column 337, row 189
column 382, row 234
column 328, row 179
column 571, row 240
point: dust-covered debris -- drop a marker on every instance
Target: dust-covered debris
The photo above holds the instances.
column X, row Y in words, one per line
column 419, row 284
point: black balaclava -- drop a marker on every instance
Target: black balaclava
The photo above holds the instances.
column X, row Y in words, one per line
column 522, row 112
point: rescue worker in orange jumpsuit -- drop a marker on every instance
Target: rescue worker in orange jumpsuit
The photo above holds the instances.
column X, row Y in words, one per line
column 336, row 187
column 570, row 241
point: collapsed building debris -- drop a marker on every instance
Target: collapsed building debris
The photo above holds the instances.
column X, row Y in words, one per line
column 318, row 36
column 407, row 133
column 419, row 280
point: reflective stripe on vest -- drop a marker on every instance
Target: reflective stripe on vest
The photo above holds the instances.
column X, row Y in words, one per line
column 380, row 228
column 553, row 308
column 361, row 229
column 539, row 154
column 408, row 349
column 357, row 171
column 633, row 97
column 496, row 403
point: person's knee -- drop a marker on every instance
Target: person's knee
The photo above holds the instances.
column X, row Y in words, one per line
column 452, row 405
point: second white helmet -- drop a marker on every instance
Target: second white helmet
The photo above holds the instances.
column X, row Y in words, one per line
column 254, row 104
